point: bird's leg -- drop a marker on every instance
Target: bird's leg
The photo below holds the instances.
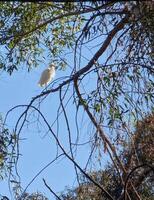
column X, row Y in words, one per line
column 45, row 89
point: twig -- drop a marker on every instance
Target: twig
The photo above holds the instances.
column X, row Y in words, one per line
column 49, row 188
column 132, row 171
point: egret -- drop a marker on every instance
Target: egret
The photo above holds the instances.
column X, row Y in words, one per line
column 47, row 75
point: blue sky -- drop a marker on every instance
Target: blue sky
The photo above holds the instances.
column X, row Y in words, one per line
column 19, row 89
column 37, row 146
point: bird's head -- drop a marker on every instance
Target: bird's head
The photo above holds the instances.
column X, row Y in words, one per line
column 51, row 66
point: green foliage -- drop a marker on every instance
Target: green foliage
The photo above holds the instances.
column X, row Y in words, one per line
column 7, row 154
column 109, row 177
column 111, row 181
column 119, row 92
column 33, row 196
column 30, row 30
column 30, row 33
column 143, row 141
column 97, row 107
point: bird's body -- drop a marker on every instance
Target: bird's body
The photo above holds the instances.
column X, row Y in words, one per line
column 47, row 75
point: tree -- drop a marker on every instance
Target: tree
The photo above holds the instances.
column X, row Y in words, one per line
column 140, row 175
column 110, row 82
column 7, row 142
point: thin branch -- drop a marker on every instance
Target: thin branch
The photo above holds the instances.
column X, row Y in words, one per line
column 78, row 12
column 45, row 167
column 45, row 183
column 99, row 129
column 132, row 171
column 66, row 154
column 97, row 55
column 69, row 132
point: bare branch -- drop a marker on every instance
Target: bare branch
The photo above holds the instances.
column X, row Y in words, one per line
column 45, row 167
column 132, row 171
column 99, row 129
column 63, row 150
column 106, row 43
column 49, row 188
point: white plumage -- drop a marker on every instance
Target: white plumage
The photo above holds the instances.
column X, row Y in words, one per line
column 47, row 76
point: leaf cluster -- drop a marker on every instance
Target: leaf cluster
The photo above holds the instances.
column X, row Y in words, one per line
column 7, row 154
column 28, row 30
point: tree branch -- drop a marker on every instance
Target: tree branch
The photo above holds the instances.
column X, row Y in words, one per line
column 57, row 197
column 63, row 150
column 98, row 128
column 78, row 12
column 132, row 171
column 97, row 55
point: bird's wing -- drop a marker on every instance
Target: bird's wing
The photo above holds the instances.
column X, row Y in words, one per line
column 52, row 73
column 44, row 78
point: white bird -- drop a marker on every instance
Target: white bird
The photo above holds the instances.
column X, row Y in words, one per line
column 47, row 76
